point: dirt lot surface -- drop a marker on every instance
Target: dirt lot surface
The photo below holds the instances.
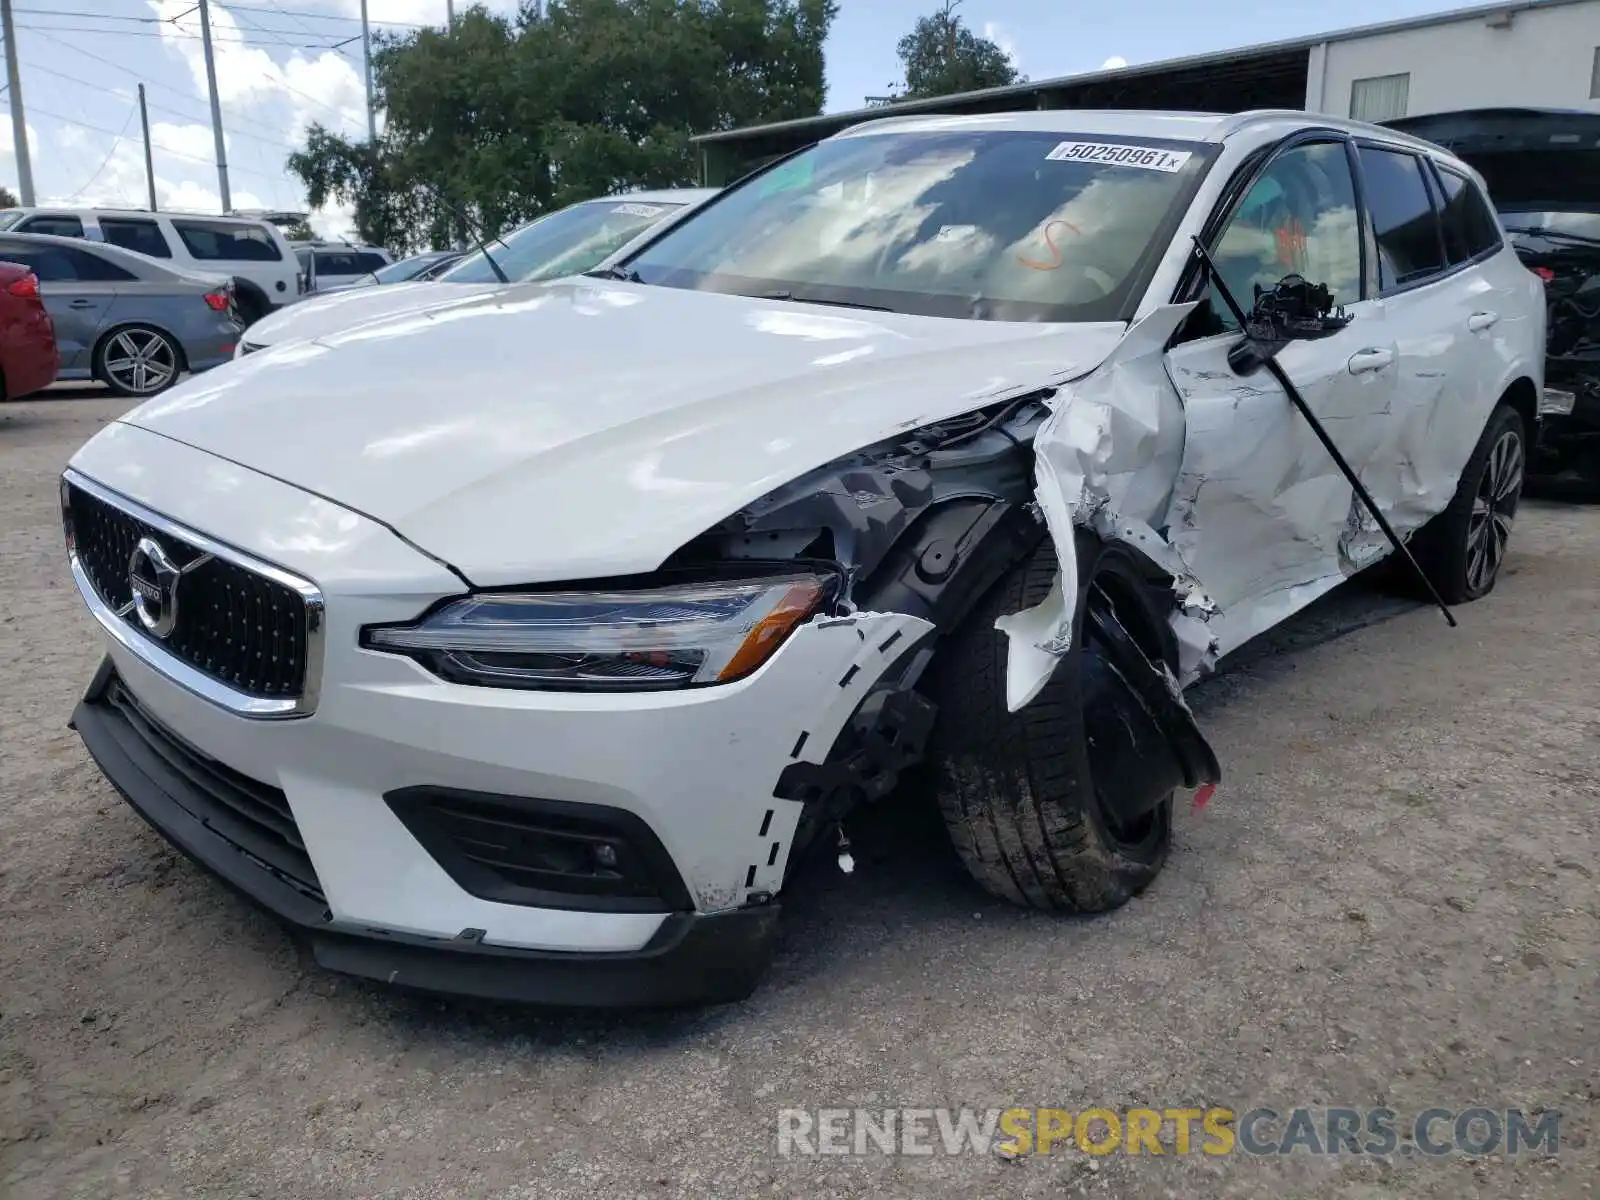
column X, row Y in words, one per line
column 1392, row 901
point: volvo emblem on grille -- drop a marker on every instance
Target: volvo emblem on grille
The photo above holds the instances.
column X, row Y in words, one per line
column 153, row 580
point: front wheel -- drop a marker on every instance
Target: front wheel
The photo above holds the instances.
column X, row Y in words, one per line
column 1031, row 817
column 1463, row 548
column 138, row 361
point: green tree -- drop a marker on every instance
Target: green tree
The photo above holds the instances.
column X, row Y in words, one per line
column 942, row 57
column 299, row 231
column 501, row 119
column 8, row 198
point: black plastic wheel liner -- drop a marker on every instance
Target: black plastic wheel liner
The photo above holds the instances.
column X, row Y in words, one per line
column 1141, row 741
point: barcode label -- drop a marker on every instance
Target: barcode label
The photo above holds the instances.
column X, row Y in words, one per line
column 1143, row 157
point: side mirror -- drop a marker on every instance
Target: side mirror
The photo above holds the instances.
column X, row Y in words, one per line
column 1291, row 310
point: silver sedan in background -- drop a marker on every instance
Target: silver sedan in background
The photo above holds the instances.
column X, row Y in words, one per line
column 126, row 319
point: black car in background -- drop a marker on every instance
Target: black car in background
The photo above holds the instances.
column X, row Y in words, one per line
column 1543, row 171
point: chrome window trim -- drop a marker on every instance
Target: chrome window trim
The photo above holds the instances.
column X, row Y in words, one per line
column 163, row 661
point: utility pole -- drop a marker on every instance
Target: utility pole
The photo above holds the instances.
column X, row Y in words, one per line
column 19, row 122
column 450, row 14
column 366, row 69
column 149, row 163
column 216, row 110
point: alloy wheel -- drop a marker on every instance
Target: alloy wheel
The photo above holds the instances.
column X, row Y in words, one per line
column 1493, row 508
column 141, row 360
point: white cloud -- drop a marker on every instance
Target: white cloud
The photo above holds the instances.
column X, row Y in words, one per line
column 335, row 222
column 327, row 87
column 1113, row 63
column 8, row 153
column 121, row 181
column 1001, row 36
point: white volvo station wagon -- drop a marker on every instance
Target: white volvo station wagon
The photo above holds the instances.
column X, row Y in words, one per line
column 522, row 646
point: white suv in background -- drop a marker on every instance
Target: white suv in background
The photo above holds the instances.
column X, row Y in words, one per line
column 255, row 253
column 334, row 266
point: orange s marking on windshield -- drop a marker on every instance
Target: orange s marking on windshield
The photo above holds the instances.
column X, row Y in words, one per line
column 1050, row 242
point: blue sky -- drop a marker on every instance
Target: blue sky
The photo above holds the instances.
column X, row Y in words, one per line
column 281, row 64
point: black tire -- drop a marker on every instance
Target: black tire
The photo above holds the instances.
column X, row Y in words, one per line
column 160, row 346
column 1463, row 548
column 1014, row 788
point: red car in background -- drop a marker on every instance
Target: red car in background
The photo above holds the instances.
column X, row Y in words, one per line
column 28, row 358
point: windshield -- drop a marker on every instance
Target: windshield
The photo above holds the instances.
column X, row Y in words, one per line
column 10, row 216
column 566, row 242
column 1021, row 226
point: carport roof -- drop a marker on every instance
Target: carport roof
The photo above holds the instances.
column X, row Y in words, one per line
column 1240, row 60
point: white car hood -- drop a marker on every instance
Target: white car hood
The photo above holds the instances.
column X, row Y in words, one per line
column 583, row 429
column 326, row 312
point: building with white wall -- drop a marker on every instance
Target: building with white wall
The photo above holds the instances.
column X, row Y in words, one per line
column 1532, row 54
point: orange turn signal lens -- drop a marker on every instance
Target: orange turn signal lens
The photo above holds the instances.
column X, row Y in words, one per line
column 768, row 633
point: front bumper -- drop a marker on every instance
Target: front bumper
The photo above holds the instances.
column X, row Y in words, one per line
column 691, row 959
column 702, row 769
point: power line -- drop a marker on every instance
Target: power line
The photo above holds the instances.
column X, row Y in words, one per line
column 191, row 117
column 277, row 36
column 287, row 12
column 185, row 95
column 315, row 16
column 161, row 33
column 34, row 108
column 100, row 170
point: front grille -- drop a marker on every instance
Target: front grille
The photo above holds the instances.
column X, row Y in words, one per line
column 240, row 628
column 253, row 817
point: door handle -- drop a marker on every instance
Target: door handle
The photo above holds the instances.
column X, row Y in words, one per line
column 1479, row 321
column 81, row 304
column 1370, row 360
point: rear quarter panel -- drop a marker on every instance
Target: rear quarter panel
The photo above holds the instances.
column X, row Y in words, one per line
column 206, row 337
column 28, row 356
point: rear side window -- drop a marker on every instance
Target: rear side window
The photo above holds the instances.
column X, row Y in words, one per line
column 62, row 264
column 47, row 262
column 59, row 226
column 355, row 262
column 144, row 236
column 1403, row 217
column 218, row 241
column 1469, row 225
column 92, row 268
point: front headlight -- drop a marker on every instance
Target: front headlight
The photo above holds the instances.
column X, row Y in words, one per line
column 666, row 637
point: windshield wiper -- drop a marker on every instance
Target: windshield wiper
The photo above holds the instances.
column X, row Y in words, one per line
column 1555, row 235
column 814, row 300
column 626, row 274
column 471, row 227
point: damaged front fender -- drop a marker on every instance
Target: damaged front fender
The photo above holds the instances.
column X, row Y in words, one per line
column 1105, row 459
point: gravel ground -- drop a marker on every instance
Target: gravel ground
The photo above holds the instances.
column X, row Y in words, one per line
column 1391, row 902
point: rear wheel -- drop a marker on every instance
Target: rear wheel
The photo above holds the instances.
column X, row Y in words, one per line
column 1463, row 548
column 1029, row 814
column 138, row 361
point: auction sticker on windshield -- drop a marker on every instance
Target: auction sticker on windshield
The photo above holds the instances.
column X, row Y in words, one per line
column 1109, row 153
column 639, row 210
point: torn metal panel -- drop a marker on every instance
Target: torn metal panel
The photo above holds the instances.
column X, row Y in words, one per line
column 1105, row 457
